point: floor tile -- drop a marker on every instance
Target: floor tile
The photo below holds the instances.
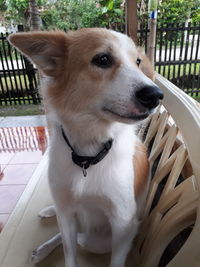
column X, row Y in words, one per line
column 21, row 149
column 1, row 120
column 2, row 167
column 9, row 195
column 6, row 157
column 3, row 220
column 36, row 120
column 26, row 157
column 17, row 174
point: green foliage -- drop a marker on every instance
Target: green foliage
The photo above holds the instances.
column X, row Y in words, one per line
column 3, row 5
column 171, row 11
column 112, row 14
column 195, row 12
column 178, row 11
column 17, row 10
column 69, row 14
column 73, row 14
column 66, row 14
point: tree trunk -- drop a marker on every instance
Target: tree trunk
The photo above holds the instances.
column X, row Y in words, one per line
column 34, row 16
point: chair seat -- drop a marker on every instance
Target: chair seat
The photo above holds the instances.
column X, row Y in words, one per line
column 172, row 212
column 25, row 230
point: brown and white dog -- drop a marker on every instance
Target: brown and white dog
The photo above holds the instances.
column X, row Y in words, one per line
column 97, row 86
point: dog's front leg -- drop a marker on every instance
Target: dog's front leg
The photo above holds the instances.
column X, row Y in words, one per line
column 45, row 249
column 123, row 232
column 68, row 229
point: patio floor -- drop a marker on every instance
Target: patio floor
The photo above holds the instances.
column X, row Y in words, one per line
column 23, row 141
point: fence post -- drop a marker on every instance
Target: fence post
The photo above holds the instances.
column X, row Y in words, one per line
column 131, row 19
column 152, row 7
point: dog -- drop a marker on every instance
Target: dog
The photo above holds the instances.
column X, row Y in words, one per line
column 97, row 87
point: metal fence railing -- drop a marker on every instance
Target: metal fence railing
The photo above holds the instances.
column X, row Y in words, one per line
column 18, row 77
column 177, row 58
column 177, row 54
column 179, row 61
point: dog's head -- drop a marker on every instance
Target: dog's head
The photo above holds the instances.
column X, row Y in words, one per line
column 92, row 71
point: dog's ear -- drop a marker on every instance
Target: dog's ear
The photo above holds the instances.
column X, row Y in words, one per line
column 47, row 50
column 146, row 65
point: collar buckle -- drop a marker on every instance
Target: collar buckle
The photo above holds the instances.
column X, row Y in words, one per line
column 85, row 161
column 84, row 171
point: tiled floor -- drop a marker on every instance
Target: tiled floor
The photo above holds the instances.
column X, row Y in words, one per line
column 21, row 149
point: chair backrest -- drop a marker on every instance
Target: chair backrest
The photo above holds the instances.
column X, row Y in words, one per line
column 170, row 232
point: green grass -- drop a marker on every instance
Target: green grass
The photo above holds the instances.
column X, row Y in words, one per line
column 179, row 70
column 21, row 110
column 27, row 108
column 21, row 80
column 197, row 98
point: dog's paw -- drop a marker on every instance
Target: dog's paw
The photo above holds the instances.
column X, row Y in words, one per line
column 47, row 212
column 39, row 254
column 46, row 248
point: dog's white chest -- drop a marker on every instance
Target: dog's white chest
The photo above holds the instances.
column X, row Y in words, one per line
column 112, row 178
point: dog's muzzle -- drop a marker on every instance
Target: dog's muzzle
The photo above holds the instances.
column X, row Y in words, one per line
column 149, row 96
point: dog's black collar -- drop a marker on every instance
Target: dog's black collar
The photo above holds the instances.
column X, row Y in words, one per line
column 84, row 161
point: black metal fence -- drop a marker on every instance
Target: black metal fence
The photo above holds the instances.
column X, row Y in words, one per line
column 18, row 77
column 177, row 57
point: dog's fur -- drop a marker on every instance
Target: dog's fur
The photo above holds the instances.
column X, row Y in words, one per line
column 100, row 211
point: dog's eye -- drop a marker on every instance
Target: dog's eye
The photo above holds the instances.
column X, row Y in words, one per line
column 138, row 61
column 102, row 60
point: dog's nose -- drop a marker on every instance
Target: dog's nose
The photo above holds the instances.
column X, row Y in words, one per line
column 149, row 96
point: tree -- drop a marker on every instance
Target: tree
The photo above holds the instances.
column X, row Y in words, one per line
column 68, row 14
column 142, row 13
column 178, row 11
column 34, row 15
column 171, row 11
column 3, row 5
column 17, row 11
column 71, row 14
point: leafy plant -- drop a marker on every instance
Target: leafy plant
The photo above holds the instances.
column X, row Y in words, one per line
column 171, row 11
column 68, row 14
column 178, row 11
column 73, row 14
column 17, row 11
